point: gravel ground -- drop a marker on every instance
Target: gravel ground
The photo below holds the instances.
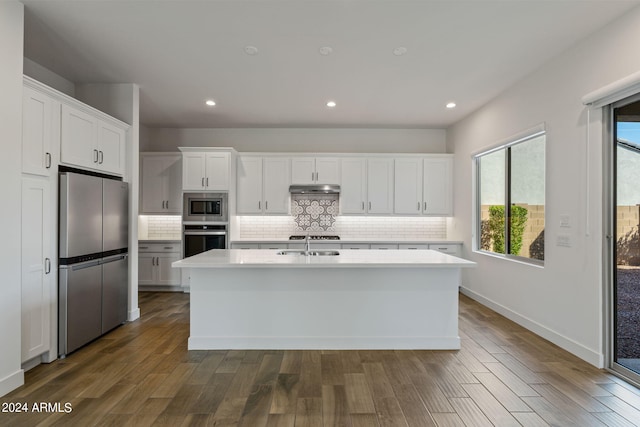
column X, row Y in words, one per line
column 628, row 325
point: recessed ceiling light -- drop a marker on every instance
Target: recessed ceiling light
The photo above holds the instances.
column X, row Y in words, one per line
column 251, row 50
column 399, row 51
column 451, row 105
column 331, row 104
column 210, row 102
column 325, row 50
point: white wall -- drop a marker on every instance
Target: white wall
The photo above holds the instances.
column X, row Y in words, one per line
column 11, row 47
column 300, row 140
column 122, row 101
column 48, row 77
column 563, row 300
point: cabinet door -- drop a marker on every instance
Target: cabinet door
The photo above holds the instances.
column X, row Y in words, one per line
column 78, row 138
column 380, row 186
column 438, row 193
column 327, row 170
column 249, row 183
column 353, row 190
column 152, row 188
column 167, row 275
column 303, row 170
column 146, row 268
column 276, row 177
column 37, row 116
column 111, row 147
column 193, row 171
column 36, row 267
column 217, row 167
column 172, row 177
column 408, row 186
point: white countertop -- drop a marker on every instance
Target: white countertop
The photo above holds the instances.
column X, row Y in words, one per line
column 261, row 258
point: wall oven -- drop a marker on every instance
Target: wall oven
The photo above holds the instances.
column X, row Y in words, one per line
column 205, row 207
column 198, row 238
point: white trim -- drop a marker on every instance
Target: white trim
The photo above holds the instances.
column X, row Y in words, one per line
column 133, row 315
column 620, row 89
column 11, row 382
column 573, row 347
column 524, row 135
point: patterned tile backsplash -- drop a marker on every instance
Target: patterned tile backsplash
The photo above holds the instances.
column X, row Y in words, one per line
column 314, row 213
column 347, row 227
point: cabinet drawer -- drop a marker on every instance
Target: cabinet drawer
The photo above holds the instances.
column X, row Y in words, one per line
column 418, row 246
column 355, row 246
column 447, row 248
column 159, row 247
column 383, row 246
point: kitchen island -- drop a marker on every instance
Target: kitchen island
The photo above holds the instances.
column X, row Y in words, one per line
column 359, row 299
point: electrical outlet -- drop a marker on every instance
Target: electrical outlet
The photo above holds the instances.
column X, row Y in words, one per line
column 563, row 240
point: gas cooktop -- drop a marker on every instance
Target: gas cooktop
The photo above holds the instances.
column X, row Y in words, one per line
column 314, row 237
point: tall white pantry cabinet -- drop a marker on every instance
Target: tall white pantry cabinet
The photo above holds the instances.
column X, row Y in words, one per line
column 40, row 134
column 56, row 130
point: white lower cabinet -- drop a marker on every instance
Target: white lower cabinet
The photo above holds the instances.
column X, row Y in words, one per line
column 154, row 264
column 36, row 266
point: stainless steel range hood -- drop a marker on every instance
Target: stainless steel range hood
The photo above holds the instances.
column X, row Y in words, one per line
column 314, row 189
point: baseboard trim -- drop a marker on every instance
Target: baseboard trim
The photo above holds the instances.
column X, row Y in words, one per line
column 133, row 315
column 11, row 382
column 573, row 347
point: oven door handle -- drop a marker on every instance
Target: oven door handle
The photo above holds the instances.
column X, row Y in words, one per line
column 205, row 233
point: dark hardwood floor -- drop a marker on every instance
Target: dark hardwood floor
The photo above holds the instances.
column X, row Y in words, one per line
column 142, row 374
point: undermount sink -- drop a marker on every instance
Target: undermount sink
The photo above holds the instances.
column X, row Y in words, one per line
column 308, row 253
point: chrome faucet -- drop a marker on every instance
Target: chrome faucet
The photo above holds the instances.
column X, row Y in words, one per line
column 307, row 243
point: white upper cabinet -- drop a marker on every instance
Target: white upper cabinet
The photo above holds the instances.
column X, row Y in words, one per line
column 408, row 186
column 90, row 142
column 438, row 186
column 263, row 185
column 380, row 186
column 315, row 170
column 161, row 183
column 205, row 170
column 276, row 181
column 353, row 190
column 38, row 136
column 423, row 186
column 249, row 185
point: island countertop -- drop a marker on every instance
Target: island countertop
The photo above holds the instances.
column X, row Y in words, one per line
column 348, row 258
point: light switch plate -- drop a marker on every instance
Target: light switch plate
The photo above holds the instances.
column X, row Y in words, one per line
column 565, row 221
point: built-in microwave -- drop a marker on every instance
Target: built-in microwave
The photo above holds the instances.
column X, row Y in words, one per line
column 205, row 207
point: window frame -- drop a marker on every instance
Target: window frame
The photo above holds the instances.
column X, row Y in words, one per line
column 506, row 145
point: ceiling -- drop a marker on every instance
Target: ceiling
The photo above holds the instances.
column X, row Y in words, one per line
column 184, row 52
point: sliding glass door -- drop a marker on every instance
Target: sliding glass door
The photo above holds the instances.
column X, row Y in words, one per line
column 624, row 221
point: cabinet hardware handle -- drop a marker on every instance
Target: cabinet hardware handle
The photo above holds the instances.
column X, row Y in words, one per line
column 203, row 181
column 207, row 181
column 266, row 205
column 317, row 176
column 167, row 204
column 95, row 156
column 259, row 204
column 418, row 205
column 101, row 156
column 163, row 204
column 363, row 206
column 425, row 206
column 47, row 160
column 312, row 175
column 369, row 205
column 47, row 266
column 143, row 247
column 168, row 247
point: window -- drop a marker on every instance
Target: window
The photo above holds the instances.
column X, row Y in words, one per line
column 510, row 198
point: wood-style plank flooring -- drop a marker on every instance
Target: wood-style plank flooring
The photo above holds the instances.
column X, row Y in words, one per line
column 142, row 374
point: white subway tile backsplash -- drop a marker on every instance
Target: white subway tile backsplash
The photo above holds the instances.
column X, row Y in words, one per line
column 161, row 227
column 348, row 227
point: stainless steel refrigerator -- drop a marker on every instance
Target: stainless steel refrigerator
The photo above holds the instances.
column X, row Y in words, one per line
column 93, row 288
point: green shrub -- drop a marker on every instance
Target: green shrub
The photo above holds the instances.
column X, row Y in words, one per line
column 496, row 228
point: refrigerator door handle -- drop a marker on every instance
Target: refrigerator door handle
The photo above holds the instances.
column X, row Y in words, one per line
column 83, row 265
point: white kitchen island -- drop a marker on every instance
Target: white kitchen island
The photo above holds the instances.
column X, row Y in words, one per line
column 359, row 299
